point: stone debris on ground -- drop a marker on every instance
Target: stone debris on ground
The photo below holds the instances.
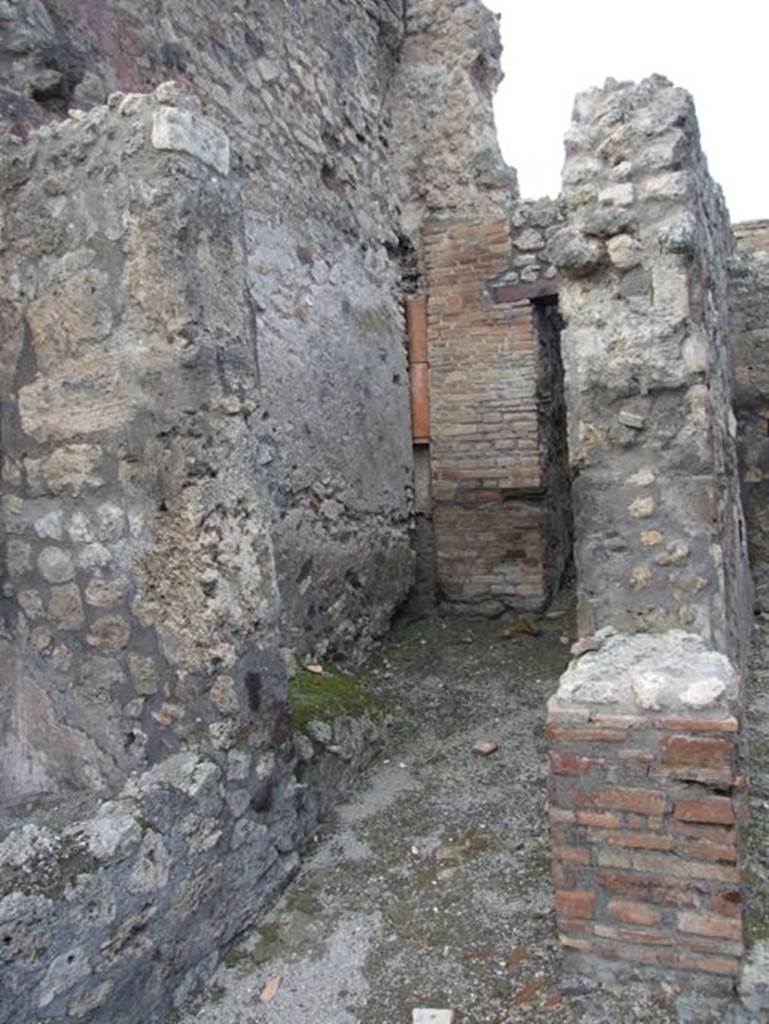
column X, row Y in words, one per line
column 422, row 1015
column 271, row 989
column 485, row 747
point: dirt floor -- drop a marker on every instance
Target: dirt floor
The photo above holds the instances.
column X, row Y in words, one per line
column 429, row 886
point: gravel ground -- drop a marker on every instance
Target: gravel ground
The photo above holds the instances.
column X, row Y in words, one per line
column 429, row 886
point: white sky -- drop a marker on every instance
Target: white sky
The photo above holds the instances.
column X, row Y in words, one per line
column 719, row 52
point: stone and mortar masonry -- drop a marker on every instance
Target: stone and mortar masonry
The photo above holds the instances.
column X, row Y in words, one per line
column 118, row 917
column 647, row 759
column 139, row 602
column 140, row 624
column 303, row 93
column 660, row 535
column 205, row 400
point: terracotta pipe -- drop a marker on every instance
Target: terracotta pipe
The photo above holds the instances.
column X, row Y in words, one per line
column 419, row 369
column 416, row 327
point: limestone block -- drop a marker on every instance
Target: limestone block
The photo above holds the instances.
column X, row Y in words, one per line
column 18, row 557
column 79, row 397
column 108, row 633
column 186, row 132
column 152, row 868
column 75, row 314
column 31, row 603
column 112, row 835
column 143, row 674
column 55, row 565
column 94, row 556
column 625, row 252
column 673, row 670
column 104, row 593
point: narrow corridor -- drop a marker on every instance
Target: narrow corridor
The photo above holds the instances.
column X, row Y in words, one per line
column 429, row 886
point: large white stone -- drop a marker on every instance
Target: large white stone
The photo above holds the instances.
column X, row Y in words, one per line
column 650, row 671
column 186, row 132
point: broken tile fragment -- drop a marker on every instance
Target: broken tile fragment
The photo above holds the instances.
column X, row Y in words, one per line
column 485, row 747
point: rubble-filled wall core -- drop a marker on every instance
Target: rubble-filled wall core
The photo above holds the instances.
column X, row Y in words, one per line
column 659, row 530
column 647, row 758
column 281, row 338
column 207, row 447
column 140, row 606
column 141, row 580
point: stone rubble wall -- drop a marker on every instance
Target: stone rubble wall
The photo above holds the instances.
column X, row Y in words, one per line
column 117, row 917
column 139, row 601
column 140, row 605
column 449, row 163
column 646, row 738
column 534, row 223
column 749, row 339
column 302, row 93
column 660, row 533
column 207, row 457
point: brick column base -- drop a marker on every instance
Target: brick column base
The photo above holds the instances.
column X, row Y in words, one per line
column 646, row 800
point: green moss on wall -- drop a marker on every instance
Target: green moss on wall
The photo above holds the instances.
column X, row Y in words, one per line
column 326, row 695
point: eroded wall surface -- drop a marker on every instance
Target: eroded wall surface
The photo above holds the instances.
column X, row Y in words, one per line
column 141, row 581
column 647, row 756
column 301, row 93
column 140, row 629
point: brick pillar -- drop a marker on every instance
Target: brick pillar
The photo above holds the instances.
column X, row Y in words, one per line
column 646, row 794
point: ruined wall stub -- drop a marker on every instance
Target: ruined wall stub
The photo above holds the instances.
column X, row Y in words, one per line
column 660, row 535
column 647, row 757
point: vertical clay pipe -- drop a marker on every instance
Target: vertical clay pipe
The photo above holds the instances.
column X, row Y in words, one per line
column 419, row 368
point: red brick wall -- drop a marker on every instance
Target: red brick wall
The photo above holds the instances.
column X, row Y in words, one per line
column 487, row 463
column 644, row 816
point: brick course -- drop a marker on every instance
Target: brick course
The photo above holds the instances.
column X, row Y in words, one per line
column 653, row 864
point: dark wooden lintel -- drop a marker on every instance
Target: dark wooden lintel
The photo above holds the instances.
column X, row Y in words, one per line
column 541, row 289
